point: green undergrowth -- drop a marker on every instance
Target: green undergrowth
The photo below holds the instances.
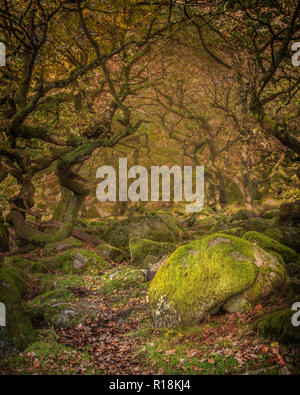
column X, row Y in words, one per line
column 50, row 358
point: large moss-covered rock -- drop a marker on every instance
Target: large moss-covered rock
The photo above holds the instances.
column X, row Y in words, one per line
column 112, row 253
column 146, row 252
column 272, row 246
column 18, row 332
column 278, row 326
column 157, row 227
column 3, row 238
column 217, row 271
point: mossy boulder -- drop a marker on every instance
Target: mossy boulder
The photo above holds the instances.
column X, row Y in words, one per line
column 157, row 227
column 66, row 244
column 18, row 332
column 257, row 224
column 3, row 238
column 146, row 252
column 28, row 266
column 287, row 235
column 77, row 260
column 112, row 253
column 57, row 308
column 272, row 246
column 217, row 271
column 50, row 282
column 279, row 326
column 122, row 277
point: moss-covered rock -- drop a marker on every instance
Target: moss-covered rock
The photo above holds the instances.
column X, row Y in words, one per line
column 112, row 253
column 57, row 309
column 242, row 214
column 271, row 214
column 145, row 252
column 271, row 245
column 50, row 282
column 200, row 277
column 68, row 243
column 257, row 224
column 278, row 326
column 77, row 260
column 28, row 266
column 122, row 277
column 3, row 238
column 18, row 332
column 287, row 235
column 157, row 227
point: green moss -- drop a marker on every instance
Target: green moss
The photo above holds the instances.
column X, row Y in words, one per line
column 39, row 304
column 51, row 282
column 274, row 233
column 271, row 214
column 45, row 357
column 144, row 252
column 271, row 245
column 199, row 277
column 278, row 325
column 238, row 231
column 26, row 265
column 123, row 277
column 257, row 224
column 218, row 270
column 69, row 242
column 242, row 214
column 18, row 332
column 56, row 308
column 112, row 253
column 64, row 262
column 15, row 278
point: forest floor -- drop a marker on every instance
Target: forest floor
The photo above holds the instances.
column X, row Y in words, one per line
column 121, row 339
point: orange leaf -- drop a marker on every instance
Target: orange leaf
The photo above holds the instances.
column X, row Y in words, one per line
column 280, row 360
